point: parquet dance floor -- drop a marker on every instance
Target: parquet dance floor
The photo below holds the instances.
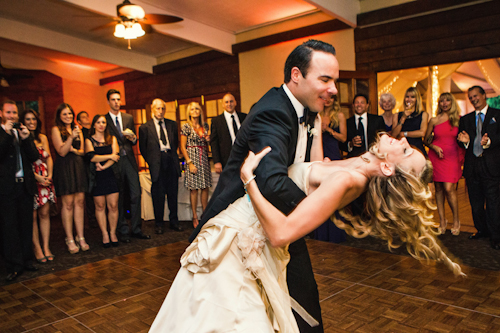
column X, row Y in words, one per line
column 360, row 290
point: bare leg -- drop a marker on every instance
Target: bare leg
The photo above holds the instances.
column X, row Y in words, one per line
column 37, row 250
column 100, row 215
column 451, row 195
column 112, row 202
column 204, row 198
column 67, row 220
column 440, row 205
column 194, row 204
column 79, row 219
column 44, row 216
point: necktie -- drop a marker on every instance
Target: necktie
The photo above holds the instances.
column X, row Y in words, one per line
column 118, row 127
column 478, row 149
column 235, row 127
column 163, row 138
column 361, row 132
column 303, row 119
column 18, row 152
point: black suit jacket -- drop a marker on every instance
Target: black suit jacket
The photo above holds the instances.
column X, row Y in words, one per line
column 271, row 122
column 375, row 125
column 149, row 144
column 220, row 138
column 490, row 155
column 128, row 122
column 8, row 163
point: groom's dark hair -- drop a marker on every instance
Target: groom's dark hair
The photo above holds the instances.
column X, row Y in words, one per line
column 301, row 56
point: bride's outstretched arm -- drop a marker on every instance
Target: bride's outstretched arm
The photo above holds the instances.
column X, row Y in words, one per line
column 332, row 194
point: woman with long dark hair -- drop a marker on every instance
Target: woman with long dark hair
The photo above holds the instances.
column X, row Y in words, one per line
column 103, row 151
column 43, row 170
column 70, row 176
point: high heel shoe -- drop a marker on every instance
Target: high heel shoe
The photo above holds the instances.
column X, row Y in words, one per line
column 68, row 242
column 85, row 247
column 456, row 232
column 442, row 230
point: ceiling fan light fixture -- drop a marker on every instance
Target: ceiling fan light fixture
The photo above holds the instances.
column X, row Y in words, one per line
column 138, row 31
column 119, row 30
column 130, row 33
column 132, row 11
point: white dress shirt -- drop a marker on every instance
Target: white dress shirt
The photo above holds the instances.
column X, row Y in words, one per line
column 229, row 121
column 364, row 121
column 164, row 129
column 300, row 151
column 120, row 121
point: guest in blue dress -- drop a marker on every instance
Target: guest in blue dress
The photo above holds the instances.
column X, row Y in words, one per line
column 412, row 122
column 334, row 128
column 387, row 102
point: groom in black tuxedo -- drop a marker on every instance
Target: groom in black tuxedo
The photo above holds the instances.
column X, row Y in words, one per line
column 276, row 120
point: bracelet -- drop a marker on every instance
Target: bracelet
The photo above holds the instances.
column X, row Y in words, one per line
column 405, row 134
column 189, row 162
column 248, row 182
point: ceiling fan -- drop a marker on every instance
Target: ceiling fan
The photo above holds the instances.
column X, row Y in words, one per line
column 132, row 19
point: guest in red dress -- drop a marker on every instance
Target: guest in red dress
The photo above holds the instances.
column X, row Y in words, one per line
column 446, row 157
column 45, row 194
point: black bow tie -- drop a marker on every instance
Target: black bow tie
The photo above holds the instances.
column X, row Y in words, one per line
column 303, row 119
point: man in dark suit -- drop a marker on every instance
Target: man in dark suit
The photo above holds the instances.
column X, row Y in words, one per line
column 17, row 153
column 158, row 142
column 478, row 133
column 276, row 120
column 362, row 127
column 121, row 125
column 223, row 132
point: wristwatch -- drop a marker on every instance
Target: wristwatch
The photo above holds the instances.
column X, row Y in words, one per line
column 405, row 134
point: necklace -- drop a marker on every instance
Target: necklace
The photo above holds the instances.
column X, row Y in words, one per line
column 365, row 159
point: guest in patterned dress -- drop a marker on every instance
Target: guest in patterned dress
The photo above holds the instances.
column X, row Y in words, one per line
column 412, row 122
column 42, row 169
column 194, row 147
column 446, row 157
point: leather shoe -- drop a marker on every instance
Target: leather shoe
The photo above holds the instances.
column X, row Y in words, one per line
column 31, row 268
column 176, row 227
column 140, row 235
column 12, row 276
column 478, row 235
column 158, row 230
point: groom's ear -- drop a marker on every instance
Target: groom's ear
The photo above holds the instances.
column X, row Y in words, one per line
column 387, row 168
column 296, row 74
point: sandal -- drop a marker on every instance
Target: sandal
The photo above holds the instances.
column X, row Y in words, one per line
column 42, row 260
column 71, row 241
column 456, row 232
column 51, row 257
column 442, row 230
column 85, row 247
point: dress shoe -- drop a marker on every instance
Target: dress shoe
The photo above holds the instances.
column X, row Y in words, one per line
column 140, row 235
column 478, row 235
column 115, row 244
column 31, row 268
column 12, row 276
column 159, row 230
column 176, row 227
column 106, row 245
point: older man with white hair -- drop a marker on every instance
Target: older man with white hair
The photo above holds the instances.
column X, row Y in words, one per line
column 158, row 142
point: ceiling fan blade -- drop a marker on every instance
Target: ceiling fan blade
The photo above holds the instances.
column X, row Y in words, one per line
column 161, row 19
column 107, row 25
column 147, row 28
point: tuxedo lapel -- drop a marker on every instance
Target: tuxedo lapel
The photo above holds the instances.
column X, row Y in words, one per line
column 152, row 130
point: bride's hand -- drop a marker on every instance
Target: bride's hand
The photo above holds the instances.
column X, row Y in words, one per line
column 251, row 163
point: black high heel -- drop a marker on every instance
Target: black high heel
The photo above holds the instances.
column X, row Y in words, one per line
column 106, row 245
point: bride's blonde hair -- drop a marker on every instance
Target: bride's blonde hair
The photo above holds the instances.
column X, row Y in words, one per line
column 399, row 207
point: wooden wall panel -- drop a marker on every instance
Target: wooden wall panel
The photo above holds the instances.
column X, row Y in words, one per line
column 459, row 34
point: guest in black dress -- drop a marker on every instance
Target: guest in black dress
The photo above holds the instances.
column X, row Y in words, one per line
column 387, row 102
column 103, row 152
column 412, row 122
column 334, row 128
column 70, row 175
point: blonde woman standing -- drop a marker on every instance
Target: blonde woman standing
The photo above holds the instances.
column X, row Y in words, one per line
column 194, row 147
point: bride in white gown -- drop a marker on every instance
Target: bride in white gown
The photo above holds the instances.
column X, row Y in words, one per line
column 233, row 276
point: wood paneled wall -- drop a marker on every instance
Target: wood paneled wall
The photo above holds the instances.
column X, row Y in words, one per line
column 464, row 33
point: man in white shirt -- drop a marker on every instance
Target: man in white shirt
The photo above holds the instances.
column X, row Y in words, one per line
column 223, row 131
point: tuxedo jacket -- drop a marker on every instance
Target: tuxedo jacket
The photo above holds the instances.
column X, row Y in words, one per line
column 8, row 163
column 128, row 122
column 375, row 125
column 271, row 122
column 149, row 144
column 220, row 138
column 491, row 155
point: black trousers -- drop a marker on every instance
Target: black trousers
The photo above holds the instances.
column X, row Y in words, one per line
column 484, row 189
column 16, row 211
column 302, row 285
column 129, row 176
column 167, row 184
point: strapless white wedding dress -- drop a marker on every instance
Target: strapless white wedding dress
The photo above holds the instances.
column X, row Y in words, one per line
column 232, row 279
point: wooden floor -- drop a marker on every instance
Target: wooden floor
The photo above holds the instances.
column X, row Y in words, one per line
column 360, row 291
